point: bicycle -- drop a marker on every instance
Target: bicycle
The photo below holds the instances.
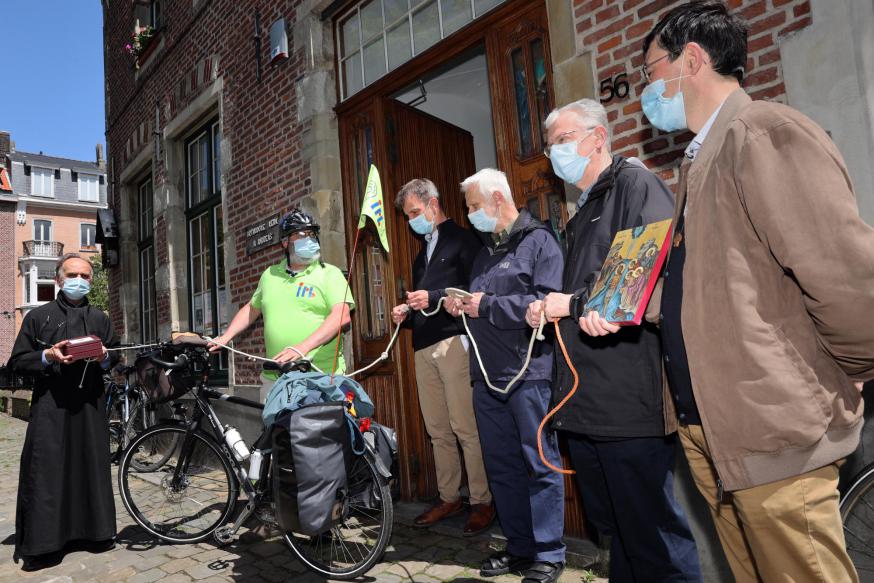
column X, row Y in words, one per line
column 192, row 494
column 857, row 513
column 129, row 409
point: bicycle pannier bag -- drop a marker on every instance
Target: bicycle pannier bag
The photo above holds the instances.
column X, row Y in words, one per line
column 160, row 386
column 312, row 452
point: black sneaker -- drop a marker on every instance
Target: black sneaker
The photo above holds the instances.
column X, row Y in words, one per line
column 501, row 563
column 543, row 572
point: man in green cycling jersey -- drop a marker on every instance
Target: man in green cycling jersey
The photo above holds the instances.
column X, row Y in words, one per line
column 304, row 302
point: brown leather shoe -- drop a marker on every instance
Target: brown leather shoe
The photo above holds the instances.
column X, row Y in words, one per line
column 481, row 518
column 437, row 513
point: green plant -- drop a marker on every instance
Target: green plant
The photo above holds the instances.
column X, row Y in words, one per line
column 99, row 295
column 588, row 576
column 139, row 41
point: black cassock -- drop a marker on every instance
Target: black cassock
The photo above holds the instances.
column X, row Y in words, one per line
column 64, row 485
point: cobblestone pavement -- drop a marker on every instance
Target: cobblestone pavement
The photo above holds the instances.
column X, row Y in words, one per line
column 438, row 554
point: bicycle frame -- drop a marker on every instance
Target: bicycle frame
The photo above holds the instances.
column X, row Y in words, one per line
column 203, row 410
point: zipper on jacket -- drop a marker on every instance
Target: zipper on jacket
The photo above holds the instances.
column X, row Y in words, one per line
column 720, row 490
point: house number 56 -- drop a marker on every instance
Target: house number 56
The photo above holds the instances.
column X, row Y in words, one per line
column 615, row 87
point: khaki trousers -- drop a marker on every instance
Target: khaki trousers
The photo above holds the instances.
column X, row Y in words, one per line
column 446, row 400
column 786, row 531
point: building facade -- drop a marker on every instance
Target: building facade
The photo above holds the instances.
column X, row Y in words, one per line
column 233, row 113
column 56, row 204
column 7, row 253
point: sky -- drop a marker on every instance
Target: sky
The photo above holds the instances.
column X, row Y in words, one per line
column 52, row 76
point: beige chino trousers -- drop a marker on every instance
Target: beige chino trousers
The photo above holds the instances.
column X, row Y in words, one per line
column 446, row 401
column 785, row 531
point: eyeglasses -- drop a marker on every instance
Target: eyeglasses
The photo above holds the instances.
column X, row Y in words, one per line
column 644, row 70
column 563, row 139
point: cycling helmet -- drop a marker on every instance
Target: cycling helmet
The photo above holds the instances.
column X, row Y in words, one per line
column 297, row 221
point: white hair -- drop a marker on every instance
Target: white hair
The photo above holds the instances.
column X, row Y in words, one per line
column 589, row 114
column 488, row 180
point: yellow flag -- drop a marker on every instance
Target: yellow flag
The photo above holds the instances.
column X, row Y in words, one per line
column 373, row 207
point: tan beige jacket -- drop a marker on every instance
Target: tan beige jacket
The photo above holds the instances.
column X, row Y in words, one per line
column 778, row 294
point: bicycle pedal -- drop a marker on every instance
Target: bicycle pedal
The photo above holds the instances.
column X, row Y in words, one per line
column 224, row 534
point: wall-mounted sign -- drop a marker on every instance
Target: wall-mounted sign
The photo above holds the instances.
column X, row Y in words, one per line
column 262, row 234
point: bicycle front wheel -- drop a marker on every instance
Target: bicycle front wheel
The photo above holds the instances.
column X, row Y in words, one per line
column 179, row 507
column 352, row 547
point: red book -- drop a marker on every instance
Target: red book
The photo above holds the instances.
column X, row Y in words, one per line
column 84, row 347
column 629, row 274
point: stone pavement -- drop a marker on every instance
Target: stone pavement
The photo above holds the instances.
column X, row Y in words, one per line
column 438, row 554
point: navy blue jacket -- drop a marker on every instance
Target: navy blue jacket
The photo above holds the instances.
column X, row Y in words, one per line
column 512, row 275
column 449, row 267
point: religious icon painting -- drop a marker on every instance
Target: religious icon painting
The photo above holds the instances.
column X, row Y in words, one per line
column 629, row 273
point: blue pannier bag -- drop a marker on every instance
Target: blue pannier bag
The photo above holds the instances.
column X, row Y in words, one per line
column 294, row 389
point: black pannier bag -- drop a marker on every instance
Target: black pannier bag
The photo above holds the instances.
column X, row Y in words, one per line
column 160, row 385
column 312, row 454
column 385, row 443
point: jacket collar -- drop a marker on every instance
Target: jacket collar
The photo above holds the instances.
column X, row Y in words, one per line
column 731, row 107
column 604, row 182
column 525, row 223
column 65, row 304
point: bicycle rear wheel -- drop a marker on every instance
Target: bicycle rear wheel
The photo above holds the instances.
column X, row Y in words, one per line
column 145, row 414
column 857, row 512
column 185, row 508
column 352, row 547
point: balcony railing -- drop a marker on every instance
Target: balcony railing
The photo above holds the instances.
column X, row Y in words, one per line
column 43, row 248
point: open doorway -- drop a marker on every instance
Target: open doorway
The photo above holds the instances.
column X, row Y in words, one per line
column 476, row 99
column 458, row 92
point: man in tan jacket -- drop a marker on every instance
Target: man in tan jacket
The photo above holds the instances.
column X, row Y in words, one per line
column 773, row 271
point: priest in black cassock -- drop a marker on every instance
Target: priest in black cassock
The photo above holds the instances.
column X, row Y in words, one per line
column 65, row 486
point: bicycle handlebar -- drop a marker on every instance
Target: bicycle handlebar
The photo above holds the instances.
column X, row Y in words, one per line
column 300, row 365
column 180, row 362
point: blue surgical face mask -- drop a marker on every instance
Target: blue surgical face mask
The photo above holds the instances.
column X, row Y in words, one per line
column 483, row 222
column 421, row 225
column 76, row 288
column 667, row 114
column 306, row 249
column 567, row 163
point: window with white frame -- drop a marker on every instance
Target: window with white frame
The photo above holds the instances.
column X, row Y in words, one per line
column 377, row 36
column 87, row 235
column 42, row 181
column 39, row 283
column 42, row 230
column 89, row 188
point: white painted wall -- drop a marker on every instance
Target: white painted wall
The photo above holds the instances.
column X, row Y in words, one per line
column 828, row 69
column 460, row 95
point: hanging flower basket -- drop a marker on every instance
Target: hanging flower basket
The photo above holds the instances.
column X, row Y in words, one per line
column 140, row 42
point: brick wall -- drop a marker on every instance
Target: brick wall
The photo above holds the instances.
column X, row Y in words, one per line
column 614, row 31
column 7, row 280
column 264, row 171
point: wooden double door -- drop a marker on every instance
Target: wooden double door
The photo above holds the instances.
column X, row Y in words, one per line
column 405, row 143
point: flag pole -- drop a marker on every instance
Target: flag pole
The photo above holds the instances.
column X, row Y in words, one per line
column 371, row 206
column 345, row 294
